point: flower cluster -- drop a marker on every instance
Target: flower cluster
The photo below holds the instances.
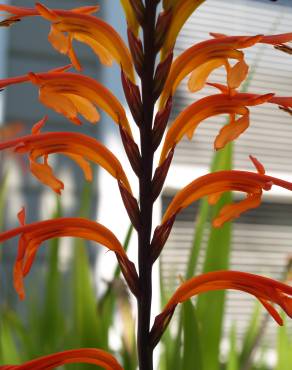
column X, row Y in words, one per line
column 73, row 95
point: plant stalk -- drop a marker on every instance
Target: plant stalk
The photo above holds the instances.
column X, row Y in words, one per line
column 145, row 351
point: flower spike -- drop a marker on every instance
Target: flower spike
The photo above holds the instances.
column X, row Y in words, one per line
column 80, row 25
column 83, row 355
column 78, row 147
column 214, row 184
column 70, row 93
column 33, row 235
column 189, row 119
column 266, row 290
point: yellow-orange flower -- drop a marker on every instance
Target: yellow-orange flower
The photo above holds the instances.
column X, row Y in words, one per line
column 78, row 147
column 71, row 94
column 33, row 235
column 188, row 120
column 130, row 16
column 266, row 290
column 93, row 356
column 214, row 184
column 80, row 25
column 181, row 11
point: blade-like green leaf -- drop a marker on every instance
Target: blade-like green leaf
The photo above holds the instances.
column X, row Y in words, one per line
column 232, row 363
column 192, row 350
column 52, row 317
column 250, row 336
column 210, row 306
column 9, row 351
column 284, row 348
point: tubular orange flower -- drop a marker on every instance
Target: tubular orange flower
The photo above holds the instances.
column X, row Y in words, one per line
column 80, row 25
column 33, row 235
column 266, row 290
column 202, row 58
column 188, row 120
column 78, row 147
column 181, row 10
column 83, row 355
column 214, row 184
column 70, row 93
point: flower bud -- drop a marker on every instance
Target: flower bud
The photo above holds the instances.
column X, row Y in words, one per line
column 137, row 53
column 160, row 237
column 130, row 274
column 139, row 10
column 161, row 74
column 160, row 123
column 162, row 26
column 160, row 324
column 131, row 206
column 132, row 151
column 160, row 175
column 132, row 94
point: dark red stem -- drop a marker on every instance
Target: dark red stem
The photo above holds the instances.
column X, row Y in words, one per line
column 145, row 350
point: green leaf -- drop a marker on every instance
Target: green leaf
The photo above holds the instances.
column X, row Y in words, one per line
column 210, row 306
column 250, row 335
column 192, row 350
column 284, row 348
column 232, row 363
column 9, row 351
column 52, row 319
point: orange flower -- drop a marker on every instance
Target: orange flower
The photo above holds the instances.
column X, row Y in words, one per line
column 181, row 10
column 78, row 147
column 202, row 58
column 267, row 291
column 188, row 120
column 80, row 25
column 70, row 93
column 214, row 184
column 83, row 355
column 33, row 235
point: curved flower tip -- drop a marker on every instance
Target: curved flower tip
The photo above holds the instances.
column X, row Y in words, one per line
column 214, row 184
column 71, row 94
column 267, row 291
column 106, row 43
column 189, row 119
column 206, row 56
column 33, row 235
column 181, row 10
column 93, row 356
column 80, row 148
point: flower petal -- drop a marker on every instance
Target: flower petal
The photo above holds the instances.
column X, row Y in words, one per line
column 84, row 355
column 130, row 16
column 189, row 119
column 68, row 143
column 231, row 131
column 181, row 11
column 221, row 181
column 261, row 287
column 95, row 29
column 199, row 75
column 33, row 235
